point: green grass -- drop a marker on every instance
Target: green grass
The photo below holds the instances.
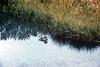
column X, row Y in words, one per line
column 85, row 24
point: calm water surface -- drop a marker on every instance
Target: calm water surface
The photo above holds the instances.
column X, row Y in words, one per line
column 35, row 53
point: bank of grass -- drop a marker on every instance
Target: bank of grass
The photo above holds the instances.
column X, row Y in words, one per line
column 82, row 23
column 22, row 13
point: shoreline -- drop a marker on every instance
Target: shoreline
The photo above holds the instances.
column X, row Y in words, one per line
column 76, row 38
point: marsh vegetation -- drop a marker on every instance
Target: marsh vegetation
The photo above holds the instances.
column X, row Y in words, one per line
column 72, row 19
column 49, row 33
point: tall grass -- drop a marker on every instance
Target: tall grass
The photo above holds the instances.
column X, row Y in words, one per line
column 71, row 16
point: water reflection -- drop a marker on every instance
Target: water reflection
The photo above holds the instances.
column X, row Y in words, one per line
column 43, row 38
column 76, row 44
column 12, row 26
column 33, row 53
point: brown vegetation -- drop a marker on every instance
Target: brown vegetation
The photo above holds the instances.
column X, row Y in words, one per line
column 79, row 17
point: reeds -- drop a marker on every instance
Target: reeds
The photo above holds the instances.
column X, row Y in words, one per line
column 73, row 16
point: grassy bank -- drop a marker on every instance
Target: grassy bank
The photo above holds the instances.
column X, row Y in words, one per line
column 71, row 18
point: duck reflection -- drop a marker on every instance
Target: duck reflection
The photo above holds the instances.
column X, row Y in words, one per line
column 43, row 37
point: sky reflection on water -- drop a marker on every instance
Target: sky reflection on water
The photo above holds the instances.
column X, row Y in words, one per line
column 34, row 53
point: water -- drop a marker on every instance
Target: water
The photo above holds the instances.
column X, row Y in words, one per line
column 34, row 53
column 27, row 44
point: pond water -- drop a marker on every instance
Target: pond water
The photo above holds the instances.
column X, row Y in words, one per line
column 35, row 53
column 27, row 44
